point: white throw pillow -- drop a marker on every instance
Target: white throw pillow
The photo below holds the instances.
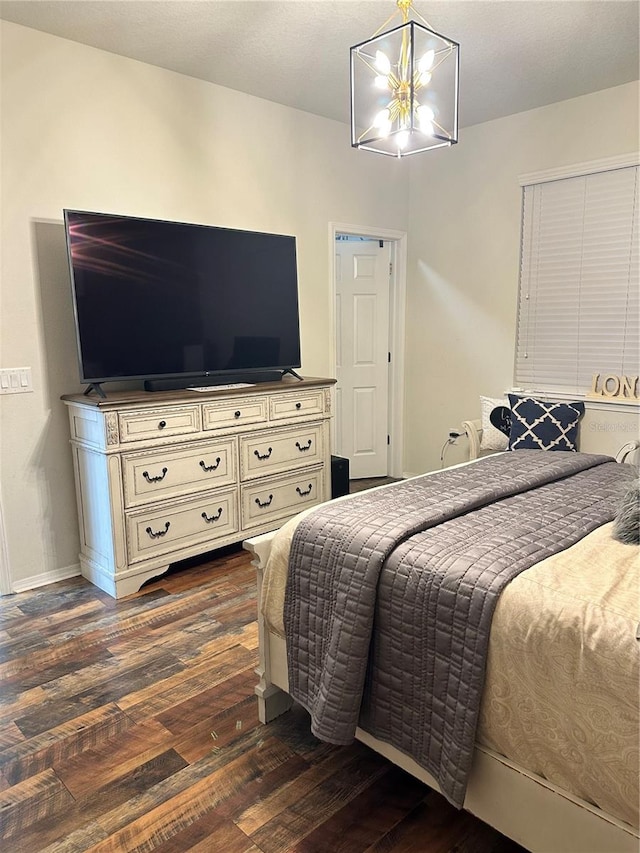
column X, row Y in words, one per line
column 492, row 438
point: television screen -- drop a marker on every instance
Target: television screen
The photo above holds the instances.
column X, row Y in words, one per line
column 166, row 299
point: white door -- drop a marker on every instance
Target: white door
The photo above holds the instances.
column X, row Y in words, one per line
column 362, row 353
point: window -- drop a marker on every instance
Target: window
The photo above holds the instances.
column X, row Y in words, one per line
column 579, row 305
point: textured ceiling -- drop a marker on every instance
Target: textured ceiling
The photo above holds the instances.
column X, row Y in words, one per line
column 514, row 54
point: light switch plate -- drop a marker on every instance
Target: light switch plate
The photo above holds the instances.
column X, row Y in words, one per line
column 15, row 380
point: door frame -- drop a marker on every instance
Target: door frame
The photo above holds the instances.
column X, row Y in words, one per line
column 397, row 303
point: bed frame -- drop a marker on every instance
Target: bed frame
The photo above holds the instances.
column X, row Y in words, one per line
column 526, row 808
column 473, row 431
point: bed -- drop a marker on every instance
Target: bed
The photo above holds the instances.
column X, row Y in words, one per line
column 553, row 762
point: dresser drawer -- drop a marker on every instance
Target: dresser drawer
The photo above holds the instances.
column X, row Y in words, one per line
column 180, row 525
column 234, row 413
column 282, row 497
column 286, row 406
column 276, row 451
column 162, row 474
column 158, row 423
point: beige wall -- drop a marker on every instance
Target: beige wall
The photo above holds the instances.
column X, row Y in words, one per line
column 464, row 240
column 86, row 129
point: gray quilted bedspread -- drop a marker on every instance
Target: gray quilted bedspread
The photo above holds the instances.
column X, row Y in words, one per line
column 425, row 561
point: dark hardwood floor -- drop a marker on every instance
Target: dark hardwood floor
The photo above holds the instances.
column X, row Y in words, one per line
column 370, row 483
column 131, row 725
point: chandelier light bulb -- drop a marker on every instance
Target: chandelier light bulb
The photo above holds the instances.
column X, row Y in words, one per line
column 401, row 139
column 383, row 122
column 426, row 61
column 382, row 62
column 381, row 82
column 425, row 78
column 425, row 119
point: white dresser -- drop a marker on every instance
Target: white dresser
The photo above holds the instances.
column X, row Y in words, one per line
column 165, row 475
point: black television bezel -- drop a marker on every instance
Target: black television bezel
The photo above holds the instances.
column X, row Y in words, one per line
column 165, row 381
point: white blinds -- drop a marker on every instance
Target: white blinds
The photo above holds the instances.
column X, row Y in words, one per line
column 579, row 305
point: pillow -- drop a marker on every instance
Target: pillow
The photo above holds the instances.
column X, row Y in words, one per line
column 491, row 438
column 627, row 524
column 537, row 425
column 500, row 417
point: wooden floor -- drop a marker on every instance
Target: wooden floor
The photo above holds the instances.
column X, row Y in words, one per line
column 369, row 483
column 131, row 725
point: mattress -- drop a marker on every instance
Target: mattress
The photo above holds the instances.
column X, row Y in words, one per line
column 561, row 689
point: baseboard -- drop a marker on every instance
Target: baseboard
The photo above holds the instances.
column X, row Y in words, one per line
column 46, row 578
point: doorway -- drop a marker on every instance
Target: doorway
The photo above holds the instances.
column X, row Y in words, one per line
column 367, row 310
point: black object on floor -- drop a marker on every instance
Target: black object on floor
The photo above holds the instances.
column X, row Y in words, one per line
column 339, row 476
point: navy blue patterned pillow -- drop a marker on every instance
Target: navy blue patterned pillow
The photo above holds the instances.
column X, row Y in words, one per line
column 536, row 425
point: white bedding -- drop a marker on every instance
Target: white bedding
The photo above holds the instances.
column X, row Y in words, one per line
column 563, row 672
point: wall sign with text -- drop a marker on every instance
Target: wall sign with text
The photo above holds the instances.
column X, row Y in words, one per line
column 614, row 387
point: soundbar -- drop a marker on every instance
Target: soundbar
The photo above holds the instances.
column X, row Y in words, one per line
column 179, row 383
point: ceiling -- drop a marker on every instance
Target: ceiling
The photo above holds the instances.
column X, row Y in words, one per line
column 515, row 55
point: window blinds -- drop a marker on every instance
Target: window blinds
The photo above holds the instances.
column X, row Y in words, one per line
column 579, row 306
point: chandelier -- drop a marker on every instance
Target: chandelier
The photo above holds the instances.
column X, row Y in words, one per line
column 404, row 88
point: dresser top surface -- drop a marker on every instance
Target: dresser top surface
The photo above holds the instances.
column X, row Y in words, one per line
column 116, row 399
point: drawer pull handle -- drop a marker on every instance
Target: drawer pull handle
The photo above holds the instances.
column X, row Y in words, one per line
column 211, row 518
column 264, row 455
column 266, row 503
column 237, row 414
column 303, row 447
column 303, row 494
column 157, row 534
column 213, row 467
column 162, row 424
column 157, row 479
column 298, row 405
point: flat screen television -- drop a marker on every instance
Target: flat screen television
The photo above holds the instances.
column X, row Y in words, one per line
column 179, row 305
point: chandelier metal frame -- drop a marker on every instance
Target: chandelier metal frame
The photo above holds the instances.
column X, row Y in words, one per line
column 404, row 88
